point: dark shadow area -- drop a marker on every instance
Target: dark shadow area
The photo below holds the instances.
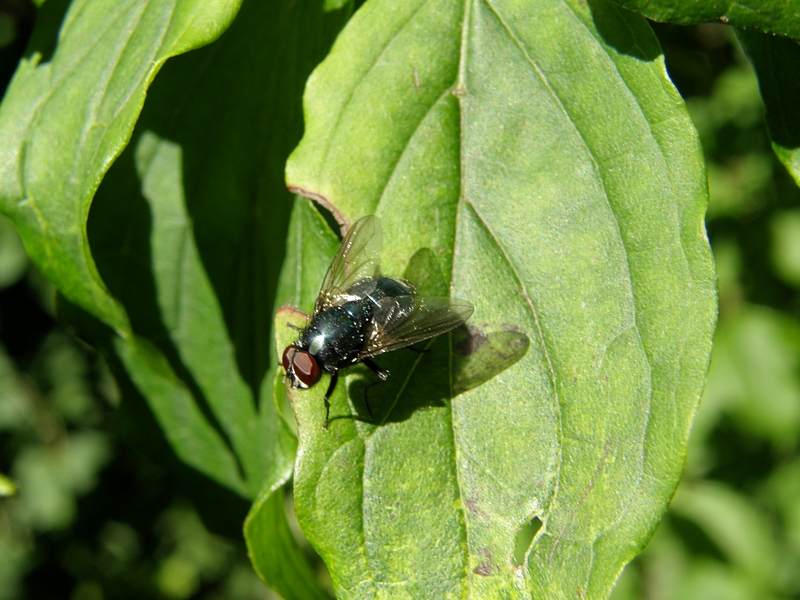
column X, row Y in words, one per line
column 695, row 539
column 479, row 356
column 135, row 423
column 420, row 380
column 44, row 39
column 416, row 381
column 24, row 323
column 119, row 233
column 420, row 376
column 740, row 458
column 18, row 18
column 695, row 56
column 606, row 18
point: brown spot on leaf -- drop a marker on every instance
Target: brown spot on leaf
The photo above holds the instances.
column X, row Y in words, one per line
column 482, row 570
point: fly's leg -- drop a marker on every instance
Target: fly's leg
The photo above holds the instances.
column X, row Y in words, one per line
column 382, row 374
column 328, row 394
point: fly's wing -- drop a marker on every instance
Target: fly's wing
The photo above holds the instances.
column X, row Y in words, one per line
column 393, row 328
column 358, row 257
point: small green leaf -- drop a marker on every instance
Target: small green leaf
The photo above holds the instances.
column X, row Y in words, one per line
column 773, row 16
column 187, row 227
column 194, row 439
column 539, row 151
column 776, row 60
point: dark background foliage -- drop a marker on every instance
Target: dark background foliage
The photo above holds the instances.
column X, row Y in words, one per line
column 105, row 510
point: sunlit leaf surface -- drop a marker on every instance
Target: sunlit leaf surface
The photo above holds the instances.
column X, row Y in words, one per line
column 542, row 155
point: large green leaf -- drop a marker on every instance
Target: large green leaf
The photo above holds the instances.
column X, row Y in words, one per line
column 63, row 122
column 540, row 151
column 776, row 61
column 773, row 16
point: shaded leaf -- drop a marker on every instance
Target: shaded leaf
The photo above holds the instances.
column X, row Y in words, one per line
column 773, row 16
column 776, row 60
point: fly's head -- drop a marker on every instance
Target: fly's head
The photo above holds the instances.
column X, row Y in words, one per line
column 301, row 367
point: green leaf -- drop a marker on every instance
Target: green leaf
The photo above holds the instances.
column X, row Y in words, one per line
column 188, row 230
column 776, row 61
column 754, row 375
column 63, row 122
column 773, row 16
column 189, row 432
column 540, row 151
column 273, row 551
column 738, row 529
column 177, row 249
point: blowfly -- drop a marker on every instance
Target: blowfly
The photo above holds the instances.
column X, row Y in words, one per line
column 360, row 314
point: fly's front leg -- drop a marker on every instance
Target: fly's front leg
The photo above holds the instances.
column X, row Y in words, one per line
column 382, row 374
column 328, row 394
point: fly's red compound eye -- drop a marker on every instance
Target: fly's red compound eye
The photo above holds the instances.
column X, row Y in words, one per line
column 301, row 365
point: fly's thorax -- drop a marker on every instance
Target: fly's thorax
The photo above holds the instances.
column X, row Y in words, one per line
column 335, row 336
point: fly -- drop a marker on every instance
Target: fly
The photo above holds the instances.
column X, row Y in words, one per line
column 360, row 314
